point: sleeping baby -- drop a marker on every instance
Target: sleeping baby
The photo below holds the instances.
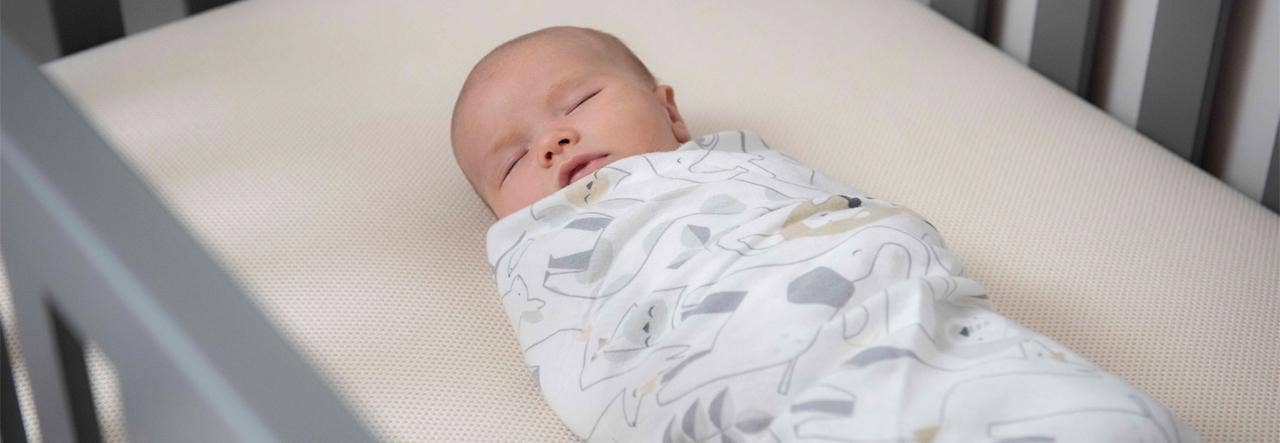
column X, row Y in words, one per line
column 671, row 288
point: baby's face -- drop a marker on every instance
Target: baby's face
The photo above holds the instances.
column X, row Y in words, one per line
column 547, row 112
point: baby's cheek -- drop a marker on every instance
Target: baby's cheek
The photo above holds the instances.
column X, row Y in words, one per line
column 518, row 196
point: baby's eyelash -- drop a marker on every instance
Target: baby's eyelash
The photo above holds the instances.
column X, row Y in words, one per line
column 513, row 165
column 584, row 100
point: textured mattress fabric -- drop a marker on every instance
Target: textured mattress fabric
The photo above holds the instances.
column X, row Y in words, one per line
column 306, row 144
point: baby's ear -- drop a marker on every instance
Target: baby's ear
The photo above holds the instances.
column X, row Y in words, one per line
column 667, row 96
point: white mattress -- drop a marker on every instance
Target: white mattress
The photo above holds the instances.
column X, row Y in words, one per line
column 306, row 144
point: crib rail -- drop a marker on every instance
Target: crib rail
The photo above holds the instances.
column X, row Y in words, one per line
column 92, row 254
column 1175, row 100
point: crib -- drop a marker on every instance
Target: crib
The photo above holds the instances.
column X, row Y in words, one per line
column 247, row 225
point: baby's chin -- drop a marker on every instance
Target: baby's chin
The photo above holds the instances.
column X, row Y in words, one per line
column 504, row 209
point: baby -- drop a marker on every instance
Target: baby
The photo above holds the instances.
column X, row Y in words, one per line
column 669, row 288
column 549, row 107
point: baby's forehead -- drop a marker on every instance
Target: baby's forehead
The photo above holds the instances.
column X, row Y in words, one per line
column 512, row 67
column 515, row 75
column 562, row 51
column 519, row 60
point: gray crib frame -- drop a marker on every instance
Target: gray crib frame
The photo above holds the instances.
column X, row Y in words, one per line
column 92, row 254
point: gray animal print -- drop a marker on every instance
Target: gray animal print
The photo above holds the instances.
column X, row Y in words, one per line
column 724, row 291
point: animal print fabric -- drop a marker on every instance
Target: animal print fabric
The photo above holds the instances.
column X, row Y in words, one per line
column 723, row 291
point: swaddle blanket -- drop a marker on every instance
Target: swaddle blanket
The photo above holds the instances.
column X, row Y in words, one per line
column 723, row 291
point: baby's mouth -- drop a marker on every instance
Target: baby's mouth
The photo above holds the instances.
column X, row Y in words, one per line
column 585, row 169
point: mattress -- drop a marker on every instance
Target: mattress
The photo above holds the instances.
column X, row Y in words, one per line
column 306, row 145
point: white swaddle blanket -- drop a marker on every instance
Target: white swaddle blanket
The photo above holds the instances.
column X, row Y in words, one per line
column 723, row 290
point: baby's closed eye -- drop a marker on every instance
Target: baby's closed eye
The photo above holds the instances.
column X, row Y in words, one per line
column 584, row 100
column 514, row 163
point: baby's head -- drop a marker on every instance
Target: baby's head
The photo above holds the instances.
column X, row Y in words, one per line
column 550, row 107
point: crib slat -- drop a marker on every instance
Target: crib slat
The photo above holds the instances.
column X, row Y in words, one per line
column 75, row 378
column 82, row 25
column 1062, row 42
column 1182, row 72
column 1271, row 190
column 970, row 14
column 197, row 6
column 141, row 15
column 11, row 427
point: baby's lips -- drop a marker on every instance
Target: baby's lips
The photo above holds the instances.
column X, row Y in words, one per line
column 571, row 170
column 588, row 168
